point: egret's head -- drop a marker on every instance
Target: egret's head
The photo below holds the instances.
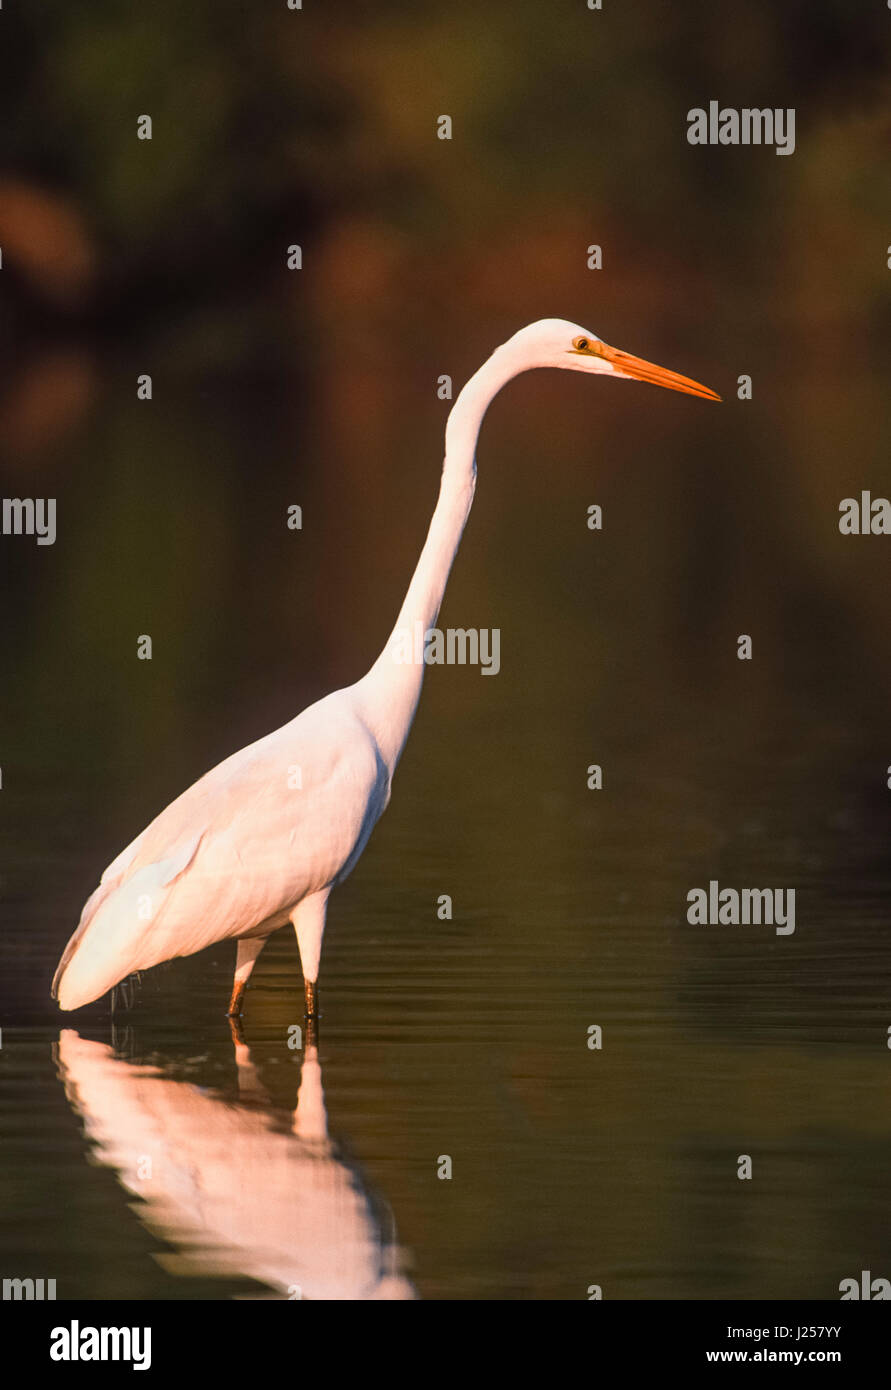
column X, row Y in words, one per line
column 559, row 343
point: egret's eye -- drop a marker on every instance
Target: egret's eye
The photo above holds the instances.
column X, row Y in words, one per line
column 581, row 344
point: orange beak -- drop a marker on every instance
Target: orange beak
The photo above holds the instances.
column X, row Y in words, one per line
column 640, row 370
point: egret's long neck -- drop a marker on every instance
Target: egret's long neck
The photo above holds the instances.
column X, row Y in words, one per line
column 389, row 694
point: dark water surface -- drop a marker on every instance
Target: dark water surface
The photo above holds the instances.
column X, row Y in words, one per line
column 467, row 1037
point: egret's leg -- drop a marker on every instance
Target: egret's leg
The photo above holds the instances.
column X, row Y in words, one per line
column 248, row 950
column 237, row 1032
column 309, row 923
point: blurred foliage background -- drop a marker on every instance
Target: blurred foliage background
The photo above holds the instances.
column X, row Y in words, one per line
column 317, row 127
column 271, row 387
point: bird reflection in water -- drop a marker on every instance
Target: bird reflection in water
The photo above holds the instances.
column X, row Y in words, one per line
column 223, row 1183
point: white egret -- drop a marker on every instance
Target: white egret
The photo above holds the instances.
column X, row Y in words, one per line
column 243, row 850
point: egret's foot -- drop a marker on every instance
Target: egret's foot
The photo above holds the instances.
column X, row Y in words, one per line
column 312, row 999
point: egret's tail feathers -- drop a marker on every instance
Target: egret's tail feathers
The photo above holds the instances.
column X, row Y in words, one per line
column 120, row 931
column 89, row 911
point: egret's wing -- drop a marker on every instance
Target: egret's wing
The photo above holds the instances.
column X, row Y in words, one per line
column 164, row 873
column 273, row 823
column 119, row 866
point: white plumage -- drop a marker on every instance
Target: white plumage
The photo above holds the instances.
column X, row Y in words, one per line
column 266, row 835
column 241, row 848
